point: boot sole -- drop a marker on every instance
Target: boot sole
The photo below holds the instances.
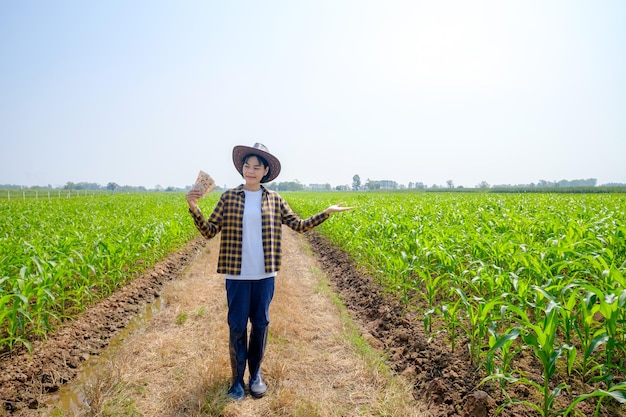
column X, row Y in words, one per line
column 257, row 394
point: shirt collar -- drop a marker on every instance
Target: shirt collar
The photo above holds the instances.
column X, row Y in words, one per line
column 239, row 189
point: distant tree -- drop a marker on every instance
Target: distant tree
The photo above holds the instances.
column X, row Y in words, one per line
column 450, row 183
column 87, row 186
column 289, row 186
column 483, row 184
column 112, row 186
column 372, row 185
column 356, row 183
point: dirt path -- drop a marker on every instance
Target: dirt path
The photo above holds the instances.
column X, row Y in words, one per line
column 177, row 363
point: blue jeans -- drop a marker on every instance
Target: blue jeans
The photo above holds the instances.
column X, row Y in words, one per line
column 249, row 300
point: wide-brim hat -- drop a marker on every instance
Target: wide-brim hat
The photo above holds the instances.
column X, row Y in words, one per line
column 240, row 152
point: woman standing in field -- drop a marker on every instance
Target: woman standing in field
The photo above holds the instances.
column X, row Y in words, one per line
column 250, row 218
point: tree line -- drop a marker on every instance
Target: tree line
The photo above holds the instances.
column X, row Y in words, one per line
column 357, row 185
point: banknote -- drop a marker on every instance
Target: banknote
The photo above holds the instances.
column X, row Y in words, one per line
column 204, row 183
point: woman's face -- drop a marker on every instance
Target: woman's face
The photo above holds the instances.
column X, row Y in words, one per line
column 254, row 171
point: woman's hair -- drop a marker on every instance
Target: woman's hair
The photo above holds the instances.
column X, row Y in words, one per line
column 263, row 162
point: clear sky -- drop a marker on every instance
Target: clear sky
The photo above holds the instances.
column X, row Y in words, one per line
column 149, row 92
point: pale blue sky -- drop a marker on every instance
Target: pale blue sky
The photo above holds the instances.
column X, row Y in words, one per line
column 149, row 92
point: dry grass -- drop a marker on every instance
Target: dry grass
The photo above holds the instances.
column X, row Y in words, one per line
column 316, row 362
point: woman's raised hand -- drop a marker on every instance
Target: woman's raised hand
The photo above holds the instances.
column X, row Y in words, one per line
column 193, row 196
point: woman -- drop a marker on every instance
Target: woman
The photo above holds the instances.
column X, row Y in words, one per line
column 250, row 218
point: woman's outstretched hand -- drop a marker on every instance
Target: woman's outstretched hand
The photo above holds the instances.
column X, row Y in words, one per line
column 337, row 208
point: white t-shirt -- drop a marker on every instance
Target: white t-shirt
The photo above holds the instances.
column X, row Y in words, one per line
column 252, row 259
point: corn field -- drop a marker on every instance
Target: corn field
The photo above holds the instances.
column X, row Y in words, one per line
column 499, row 274
column 59, row 255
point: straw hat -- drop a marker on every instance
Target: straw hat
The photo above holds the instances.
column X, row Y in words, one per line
column 240, row 152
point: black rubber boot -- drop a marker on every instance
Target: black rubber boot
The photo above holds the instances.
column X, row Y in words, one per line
column 238, row 356
column 256, row 350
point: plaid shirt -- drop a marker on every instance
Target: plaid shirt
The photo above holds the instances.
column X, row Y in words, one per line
column 227, row 217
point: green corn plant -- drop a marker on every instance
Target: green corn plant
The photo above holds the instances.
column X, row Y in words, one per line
column 521, row 289
column 541, row 338
column 502, row 350
column 568, row 313
column 406, row 282
column 479, row 312
column 432, row 285
column 12, row 319
column 427, row 320
column 616, row 280
column 617, row 392
column 610, row 305
column 452, row 319
column 591, row 336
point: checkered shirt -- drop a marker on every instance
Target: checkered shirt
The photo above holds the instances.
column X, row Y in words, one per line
column 227, row 217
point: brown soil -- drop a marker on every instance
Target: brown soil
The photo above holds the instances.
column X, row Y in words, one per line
column 172, row 365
